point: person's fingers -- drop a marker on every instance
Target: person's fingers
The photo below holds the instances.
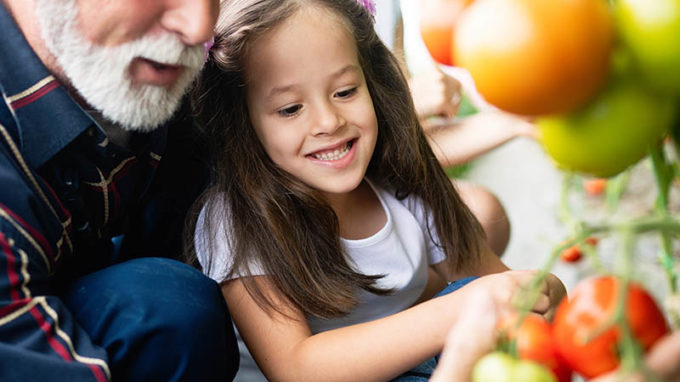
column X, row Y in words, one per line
column 472, row 336
column 556, row 289
column 664, row 358
column 542, row 305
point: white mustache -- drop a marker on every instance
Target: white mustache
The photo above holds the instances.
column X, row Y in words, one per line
column 167, row 49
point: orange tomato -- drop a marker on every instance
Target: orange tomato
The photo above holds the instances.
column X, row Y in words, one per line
column 536, row 57
column 437, row 21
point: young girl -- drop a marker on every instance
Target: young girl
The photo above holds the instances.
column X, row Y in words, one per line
column 331, row 224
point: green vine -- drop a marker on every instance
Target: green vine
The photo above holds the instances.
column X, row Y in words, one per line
column 660, row 221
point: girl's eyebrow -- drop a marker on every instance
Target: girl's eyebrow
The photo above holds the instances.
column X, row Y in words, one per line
column 345, row 69
column 286, row 88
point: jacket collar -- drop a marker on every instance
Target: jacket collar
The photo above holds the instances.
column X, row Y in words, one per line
column 37, row 110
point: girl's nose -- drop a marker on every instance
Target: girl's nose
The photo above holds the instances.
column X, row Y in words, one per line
column 328, row 119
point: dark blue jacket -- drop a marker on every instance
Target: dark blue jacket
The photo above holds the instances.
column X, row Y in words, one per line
column 65, row 193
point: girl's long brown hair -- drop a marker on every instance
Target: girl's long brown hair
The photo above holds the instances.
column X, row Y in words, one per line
column 275, row 220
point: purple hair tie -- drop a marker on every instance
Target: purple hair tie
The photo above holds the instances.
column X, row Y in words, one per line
column 208, row 45
column 369, row 5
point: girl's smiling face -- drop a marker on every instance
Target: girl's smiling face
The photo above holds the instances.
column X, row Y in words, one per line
column 309, row 103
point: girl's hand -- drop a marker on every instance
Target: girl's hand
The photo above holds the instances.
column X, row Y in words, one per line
column 471, row 337
column 504, row 288
column 555, row 291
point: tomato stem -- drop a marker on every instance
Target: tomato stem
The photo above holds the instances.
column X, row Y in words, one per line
column 663, row 175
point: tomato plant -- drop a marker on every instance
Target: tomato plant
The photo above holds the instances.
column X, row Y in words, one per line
column 501, row 367
column 580, row 331
column 611, row 133
column 437, row 26
column 651, row 30
column 536, row 57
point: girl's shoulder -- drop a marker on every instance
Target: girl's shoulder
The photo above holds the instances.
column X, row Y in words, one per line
column 214, row 242
column 212, row 239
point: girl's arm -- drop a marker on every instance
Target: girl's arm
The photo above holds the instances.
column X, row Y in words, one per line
column 285, row 349
column 463, row 139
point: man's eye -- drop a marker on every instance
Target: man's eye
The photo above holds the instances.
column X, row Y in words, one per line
column 346, row 93
column 290, row 110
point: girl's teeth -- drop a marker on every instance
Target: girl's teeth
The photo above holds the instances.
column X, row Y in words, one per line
column 334, row 155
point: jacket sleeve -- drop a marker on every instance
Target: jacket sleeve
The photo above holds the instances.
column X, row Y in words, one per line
column 39, row 337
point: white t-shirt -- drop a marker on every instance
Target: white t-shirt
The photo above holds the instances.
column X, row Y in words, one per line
column 401, row 250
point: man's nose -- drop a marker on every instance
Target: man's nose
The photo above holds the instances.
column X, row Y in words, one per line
column 193, row 20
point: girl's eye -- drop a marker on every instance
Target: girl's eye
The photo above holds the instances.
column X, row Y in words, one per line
column 346, row 93
column 290, row 110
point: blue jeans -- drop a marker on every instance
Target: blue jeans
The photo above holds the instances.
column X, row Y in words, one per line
column 423, row 371
column 158, row 319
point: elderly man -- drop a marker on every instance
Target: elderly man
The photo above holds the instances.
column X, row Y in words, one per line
column 97, row 170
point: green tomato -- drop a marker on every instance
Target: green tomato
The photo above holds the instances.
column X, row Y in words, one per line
column 651, row 30
column 612, row 132
column 494, row 367
column 501, row 367
column 532, row 371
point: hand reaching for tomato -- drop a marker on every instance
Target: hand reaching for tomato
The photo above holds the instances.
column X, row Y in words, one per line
column 471, row 337
column 506, row 288
column 476, row 332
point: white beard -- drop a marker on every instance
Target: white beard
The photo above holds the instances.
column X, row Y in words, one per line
column 101, row 74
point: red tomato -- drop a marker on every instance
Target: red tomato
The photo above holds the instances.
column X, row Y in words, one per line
column 536, row 57
column 437, row 21
column 534, row 342
column 582, row 316
column 591, row 241
column 573, row 254
column 594, row 186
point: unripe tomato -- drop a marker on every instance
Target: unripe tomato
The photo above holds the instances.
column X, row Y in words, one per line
column 591, row 305
column 437, row 21
column 535, row 57
column 651, row 29
column 611, row 133
column 501, row 367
